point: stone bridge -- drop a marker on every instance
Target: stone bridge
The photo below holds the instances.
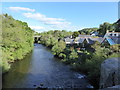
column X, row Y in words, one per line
column 37, row 38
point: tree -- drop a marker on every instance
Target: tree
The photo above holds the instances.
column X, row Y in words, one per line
column 17, row 40
column 58, row 48
column 87, row 30
column 73, row 55
column 75, row 34
column 104, row 27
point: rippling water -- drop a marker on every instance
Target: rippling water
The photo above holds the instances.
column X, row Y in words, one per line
column 40, row 68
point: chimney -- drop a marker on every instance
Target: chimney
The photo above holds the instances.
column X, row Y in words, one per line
column 107, row 31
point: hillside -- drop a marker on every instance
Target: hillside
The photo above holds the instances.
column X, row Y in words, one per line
column 17, row 40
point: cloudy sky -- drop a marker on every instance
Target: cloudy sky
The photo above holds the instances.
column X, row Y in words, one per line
column 71, row 16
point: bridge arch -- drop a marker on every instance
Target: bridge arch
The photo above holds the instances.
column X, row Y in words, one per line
column 36, row 39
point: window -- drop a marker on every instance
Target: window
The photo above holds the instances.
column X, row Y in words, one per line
column 115, row 35
column 110, row 34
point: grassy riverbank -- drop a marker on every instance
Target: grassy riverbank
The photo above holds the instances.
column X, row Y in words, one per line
column 17, row 41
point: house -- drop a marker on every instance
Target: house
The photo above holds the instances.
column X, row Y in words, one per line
column 94, row 33
column 118, row 22
column 69, row 36
column 79, row 40
column 110, row 37
column 112, row 34
column 89, row 39
column 98, row 39
column 69, row 40
column 113, row 37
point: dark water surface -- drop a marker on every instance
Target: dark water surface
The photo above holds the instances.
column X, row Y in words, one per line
column 41, row 68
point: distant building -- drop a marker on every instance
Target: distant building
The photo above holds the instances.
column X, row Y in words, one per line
column 79, row 40
column 94, row 33
column 110, row 37
column 89, row 39
column 69, row 40
column 118, row 22
column 113, row 37
column 69, row 37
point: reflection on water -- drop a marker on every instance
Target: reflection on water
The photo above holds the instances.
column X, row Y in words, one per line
column 41, row 68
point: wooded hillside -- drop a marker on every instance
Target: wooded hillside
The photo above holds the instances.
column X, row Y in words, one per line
column 17, row 40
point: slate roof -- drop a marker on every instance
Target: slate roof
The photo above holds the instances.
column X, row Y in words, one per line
column 80, row 40
column 84, row 36
column 99, row 39
column 69, row 40
column 118, row 21
column 94, row 33
column 116, row 40
column 112, row 34
column 90, row 41
column 70, row 36
column 111, row 42
column 100, row 35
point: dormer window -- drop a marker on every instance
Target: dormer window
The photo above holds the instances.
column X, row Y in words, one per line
column 110, row 34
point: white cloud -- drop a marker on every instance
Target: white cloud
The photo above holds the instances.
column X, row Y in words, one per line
column 46, row 20
column 37, row 27
column 51, row 23
column 21, row 9
column 66, row 27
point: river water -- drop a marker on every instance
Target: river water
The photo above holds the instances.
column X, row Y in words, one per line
column 41, row 69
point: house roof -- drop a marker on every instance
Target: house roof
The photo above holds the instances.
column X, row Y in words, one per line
column 69, row 40
column 116, row 40
column 118, row 21
column 80, row 40
column 89, row 41
column 100, row 35
column 84, row 36
column 68, row 36
column 111, row 42
column 99, row 39
column 94, row 32
column 112, row 34
column 112, row 39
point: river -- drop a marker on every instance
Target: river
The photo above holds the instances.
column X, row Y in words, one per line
column 41, row 69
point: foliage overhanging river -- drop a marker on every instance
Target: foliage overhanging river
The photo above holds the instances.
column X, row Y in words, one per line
column 41, row 68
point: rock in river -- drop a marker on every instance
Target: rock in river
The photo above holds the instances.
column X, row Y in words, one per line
column 110, row 73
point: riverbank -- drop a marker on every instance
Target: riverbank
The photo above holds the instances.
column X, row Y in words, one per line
column 41, row 68
column 17, row 41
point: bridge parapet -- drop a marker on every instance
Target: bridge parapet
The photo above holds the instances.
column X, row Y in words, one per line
column 37, row 36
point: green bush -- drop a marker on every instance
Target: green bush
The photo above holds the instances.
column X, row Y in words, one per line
column 58, row 48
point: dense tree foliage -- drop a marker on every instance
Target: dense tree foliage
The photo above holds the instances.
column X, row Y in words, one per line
column 102, row 28
column 87, row 31
column 58, row 47
column 75, row 34
column 91, row 60
column 17, row 40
